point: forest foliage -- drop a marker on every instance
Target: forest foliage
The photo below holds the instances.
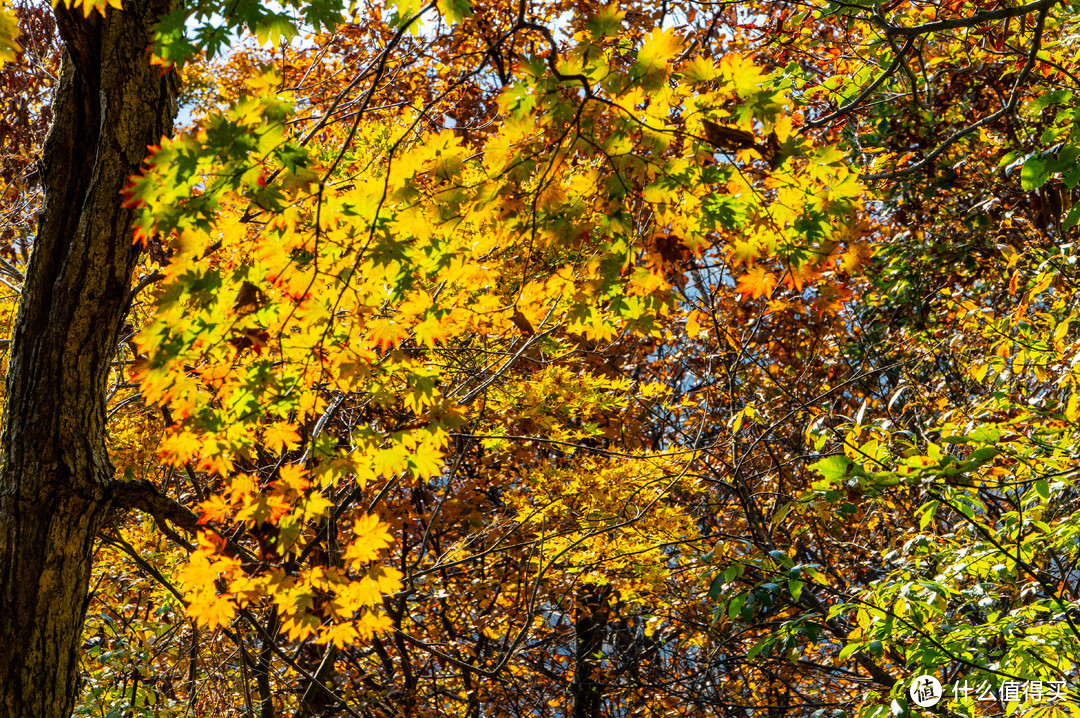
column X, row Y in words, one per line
column 550, row 358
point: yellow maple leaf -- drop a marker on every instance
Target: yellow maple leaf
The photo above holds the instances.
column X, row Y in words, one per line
column 857, row 254
column 371, row 537
column 340, row 634
column 293, row 600
column 310, row 404
column 391, row 460
column 372, row 623
column 388, row 579
column 426, row 461
column 241, row 486
column 431, row 331
column 358, row 594
column 661, row 46
column 216, row 464
column 743, row 251
column 89, row 6
column 210, row 610
column 199, row 572
column 741, row 72
column 300, row 626
column 316, row 505
column 699, row 69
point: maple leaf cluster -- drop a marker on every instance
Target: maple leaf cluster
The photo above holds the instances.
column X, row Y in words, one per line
column 572, row 360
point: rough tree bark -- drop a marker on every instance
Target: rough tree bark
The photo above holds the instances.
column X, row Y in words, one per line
column 590, row 627
column 55, row 478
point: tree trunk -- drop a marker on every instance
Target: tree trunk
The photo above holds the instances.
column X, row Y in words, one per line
column 110, row 104
column 590, row 628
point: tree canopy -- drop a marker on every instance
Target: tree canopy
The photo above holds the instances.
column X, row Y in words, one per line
column 539, row 359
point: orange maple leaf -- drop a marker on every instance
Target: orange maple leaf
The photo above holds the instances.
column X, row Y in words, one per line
column 178, row 447
column 341, row 635
column 387, row 334
column 215, row 508
column 758, row 282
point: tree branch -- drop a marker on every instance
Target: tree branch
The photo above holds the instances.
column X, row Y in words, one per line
column 889, row 72
column 976, row 19
column 1010, row 106
column 145, row 497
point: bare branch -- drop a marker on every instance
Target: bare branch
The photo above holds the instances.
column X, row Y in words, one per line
column 970, row 21
column 145, row 497
column 1010, row 106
